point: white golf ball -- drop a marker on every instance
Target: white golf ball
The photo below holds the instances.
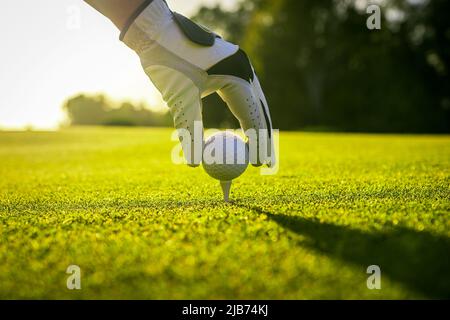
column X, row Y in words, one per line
column 225, row 156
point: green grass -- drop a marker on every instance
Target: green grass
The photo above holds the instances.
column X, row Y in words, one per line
column 111, row 201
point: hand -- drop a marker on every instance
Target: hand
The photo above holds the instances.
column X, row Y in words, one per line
column 186, row 65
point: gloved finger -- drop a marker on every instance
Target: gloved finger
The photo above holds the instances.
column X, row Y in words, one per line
column 237, row 84
column 183, row 99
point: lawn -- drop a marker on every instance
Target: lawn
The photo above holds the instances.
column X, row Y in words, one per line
column 112, row 202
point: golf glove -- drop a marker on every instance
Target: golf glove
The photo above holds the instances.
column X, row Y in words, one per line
column 187, row 62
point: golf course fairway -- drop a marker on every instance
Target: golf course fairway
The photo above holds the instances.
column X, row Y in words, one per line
column 110, row 201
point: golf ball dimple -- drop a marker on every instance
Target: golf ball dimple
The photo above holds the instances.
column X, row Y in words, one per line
column 225, row 156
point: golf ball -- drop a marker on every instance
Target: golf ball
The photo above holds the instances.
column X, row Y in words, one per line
column 225, row 156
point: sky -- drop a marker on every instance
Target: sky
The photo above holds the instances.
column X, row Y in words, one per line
column 55, row 49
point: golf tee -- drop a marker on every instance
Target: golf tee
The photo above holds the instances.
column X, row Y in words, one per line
column 226, row 187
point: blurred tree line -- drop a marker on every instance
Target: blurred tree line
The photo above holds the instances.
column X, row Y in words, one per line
column 323, row 69
column 98, row 110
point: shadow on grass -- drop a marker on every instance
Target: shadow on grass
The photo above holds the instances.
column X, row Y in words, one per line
column 418, row 260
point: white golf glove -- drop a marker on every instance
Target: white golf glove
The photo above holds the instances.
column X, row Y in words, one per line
column 186, row 62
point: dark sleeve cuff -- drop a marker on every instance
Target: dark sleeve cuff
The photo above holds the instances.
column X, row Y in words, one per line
column 133, row 17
